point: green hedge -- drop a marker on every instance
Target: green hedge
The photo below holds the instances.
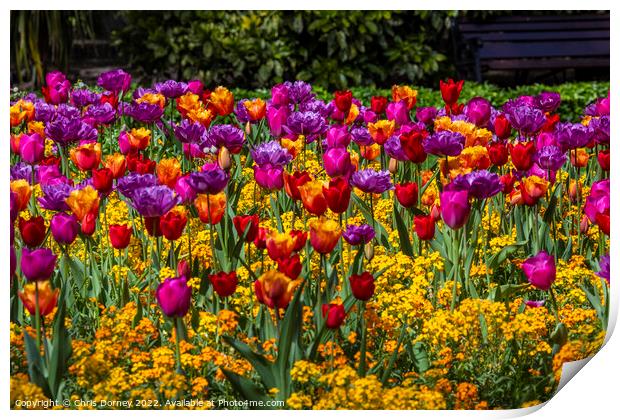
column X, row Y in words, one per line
column 258, row 48
column 575, row 96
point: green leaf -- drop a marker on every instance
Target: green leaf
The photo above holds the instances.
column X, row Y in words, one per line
column 503, row 254
column 403, row 233
column 248, row 389
column 264, row 368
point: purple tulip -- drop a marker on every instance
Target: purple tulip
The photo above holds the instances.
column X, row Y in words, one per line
column 394, row 149
column 84, row 97
column 64, row 228
column 548, row 101
column 479, row 184
column 358, row 235
column 337, row 162
column 99, row 114
column 371, row 181
column 361, row 136
column 317, row 106
column 398, row 112
column 174, row 297
column 604, row 265
column 146, row 112
column 54, row 196
column 171, row 88
column 540, row 270
column 600, row 129
column 225, row 135
column 308, row 124
column 154, row 201
column 133, row 181
column 550, row 158
column 444, row 143
column 211, row 180
column 478, row 111
column 269, row 176
column 300, row 91
column 115, row 80
column 65, row 130
column 189, row 132
column 38, row 264
column 271, row 153
column 525, row 118
column 572, row 136
column 455, row 208
column 426, row 115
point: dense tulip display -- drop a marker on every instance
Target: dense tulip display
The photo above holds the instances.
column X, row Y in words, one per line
column 174, row 244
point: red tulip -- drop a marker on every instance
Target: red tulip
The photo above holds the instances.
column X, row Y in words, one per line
column 261, row 238
column 293, row 181
column 102, row 180
column 411, row 143
column 172, row 224
column 407, row 194
column 337, row 194
column 502, row 127
column 424, row 227
column 291, row 266
column 89, row 222
column 241, row 224
column 334, row 314
column 450, row 91
column 362, row 285
column 299, row 240
column 508, row 182
column 603, row 159
column 498, row 153
column 343, row 100
column 32, row 231
column 223, row 283
column 141, row 164
column 152, row 226
column 522, row 155
column 378, row 104
column 120, row 235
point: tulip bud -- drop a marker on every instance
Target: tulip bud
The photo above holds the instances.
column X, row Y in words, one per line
column 584, row 226
column 369, row 251
column 393, row 166
column 248, row 128
column 435, row 212
column 223, row 158
column 574, row 191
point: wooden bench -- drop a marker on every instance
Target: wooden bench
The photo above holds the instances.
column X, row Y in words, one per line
column 525, row 43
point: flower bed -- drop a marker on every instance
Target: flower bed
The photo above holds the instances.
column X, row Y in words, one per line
column 175, row 248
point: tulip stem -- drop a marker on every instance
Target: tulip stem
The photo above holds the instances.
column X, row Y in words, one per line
column 554, row 303
column 177, row 331
column 37, row 315
column 361, row 370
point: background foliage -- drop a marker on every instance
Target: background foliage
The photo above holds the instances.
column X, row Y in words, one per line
column 258, row 48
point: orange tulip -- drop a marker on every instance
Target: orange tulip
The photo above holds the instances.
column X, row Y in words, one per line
column 532, row 189
column 36, row 127
column 139, row 138
column 381, row 130
column 82, row 202
column 22, row 191
column 21, row 111
column 579, row 158
column 47, row 297
column 275, row 289
column 370, row 152
column 312, row 197
column 280, row 245
column 222, row 101
column 153, row 99
column 256, row 109
column 117, row 164
column 188, row 102
column 168, row 171
column 354, row 111
column 324, row 235
column 201, row 115
column 87, row 156
column 404, row 93
column 210, row 207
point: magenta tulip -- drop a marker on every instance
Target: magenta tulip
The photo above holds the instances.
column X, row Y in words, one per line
column 174, row 296
column 540, row 270
column 38, row 264
column 337, row 162
column 455, row 208
column 31, row 148
column 64, row 228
